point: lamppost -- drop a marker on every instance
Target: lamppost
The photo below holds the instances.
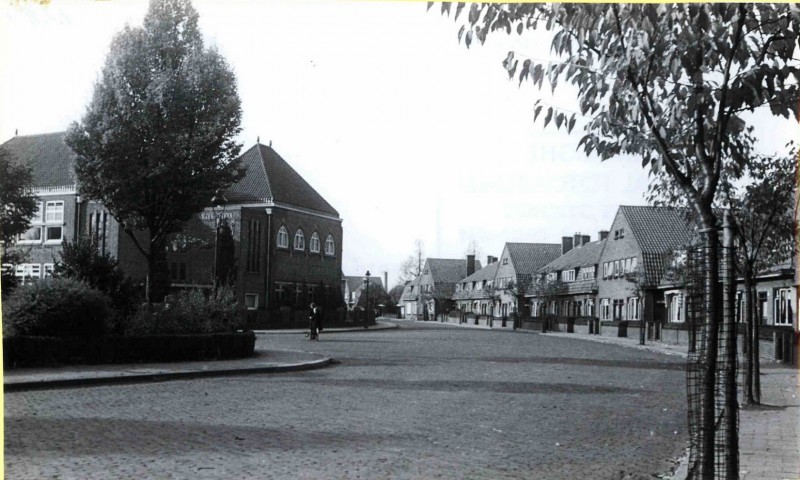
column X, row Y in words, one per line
column 366, row 310
column 218, row 202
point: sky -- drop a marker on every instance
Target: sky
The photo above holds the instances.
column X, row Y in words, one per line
column 406, row 132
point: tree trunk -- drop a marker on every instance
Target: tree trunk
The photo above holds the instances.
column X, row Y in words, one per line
column 750, row 339
column 711, row 327
column 756, row 349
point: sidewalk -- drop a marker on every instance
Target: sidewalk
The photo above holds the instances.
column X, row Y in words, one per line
column 769, row 435
column 273, row 361
column 380, row 325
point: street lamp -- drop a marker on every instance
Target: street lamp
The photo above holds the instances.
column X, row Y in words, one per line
column 366, row 310
column 218, row 202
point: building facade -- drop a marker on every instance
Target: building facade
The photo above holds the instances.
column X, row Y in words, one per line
column 285, row 239
column 517, row 269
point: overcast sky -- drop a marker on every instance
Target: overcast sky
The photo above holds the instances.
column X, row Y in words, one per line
column 406, row 132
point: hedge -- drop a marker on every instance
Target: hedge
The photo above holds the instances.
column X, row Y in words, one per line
column 28, row 351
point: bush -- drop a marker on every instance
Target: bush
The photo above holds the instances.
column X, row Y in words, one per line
column 189, row 312
column 56, row 307
column 82, row 260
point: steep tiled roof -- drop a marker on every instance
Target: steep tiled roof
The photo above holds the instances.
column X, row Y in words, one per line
column 51, row 161
column 486, row 273
column 448, row 270
column 270, row 179
column 658, row 229
column 528, row 258
column 583, row 256
column 408, row 295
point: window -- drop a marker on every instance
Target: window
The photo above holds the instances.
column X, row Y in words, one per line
column 49, row 268
column 505, row 261
column 617, row 271
column 251, row 301
column 586, row 273
column 97, row 227
column 568, row 276
column 53, row 234
column 283, row 238
column 627, row 268
column 618, row 305
column 34, row 234
column 674, row 303
column 54, row 212
column 605, row 311
column 782, row 313
column 552, row 276
column 299, row 240
column 589, row 307
column 254, row 246
column 634, row 263
column 632, row 312
column 28, row 271
column 330, row 246
column 313, row 246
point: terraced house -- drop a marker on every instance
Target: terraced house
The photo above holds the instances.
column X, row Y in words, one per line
column 518, row 265
column 641, row 244
column 568, row 285
column 431, row 293
column 287, row 239
column 476, row 294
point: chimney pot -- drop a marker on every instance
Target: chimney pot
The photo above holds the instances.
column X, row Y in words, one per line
column 566, row 244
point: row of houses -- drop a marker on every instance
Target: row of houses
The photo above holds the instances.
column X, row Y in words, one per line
column 629, row 272
column 287, row 239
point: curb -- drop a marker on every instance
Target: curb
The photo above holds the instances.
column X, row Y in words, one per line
column 378, row 327
column 119, row 379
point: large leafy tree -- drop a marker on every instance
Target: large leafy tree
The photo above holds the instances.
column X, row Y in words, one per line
column 158, row 137
column 669, row 84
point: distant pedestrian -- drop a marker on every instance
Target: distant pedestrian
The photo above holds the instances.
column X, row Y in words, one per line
column 313, row 322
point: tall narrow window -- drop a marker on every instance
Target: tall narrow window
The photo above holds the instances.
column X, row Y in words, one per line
column 313, row 246
column 254, row 246
column 283, row 238
column 299, row 240
column 330, row 246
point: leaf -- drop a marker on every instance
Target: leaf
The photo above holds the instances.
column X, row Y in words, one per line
column 571, row 124
column 468, row 38
column 536, row 111
column 548, row 117
column 519, row 28
column 461, row 32
column 559, row 120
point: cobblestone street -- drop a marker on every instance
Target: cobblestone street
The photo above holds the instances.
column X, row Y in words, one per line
column 424, row 401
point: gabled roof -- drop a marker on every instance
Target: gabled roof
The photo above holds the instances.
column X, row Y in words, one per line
column 658, row 229
column 448, row 270
column 51, row 161
column 270, row 178
column 407, row 295
column 354, row 283
column 583, row 256
column 484, row 274
column 528, row 258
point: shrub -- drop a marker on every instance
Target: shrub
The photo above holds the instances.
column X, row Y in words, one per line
column 82, row 260
column 190, row 311
column 56, row 307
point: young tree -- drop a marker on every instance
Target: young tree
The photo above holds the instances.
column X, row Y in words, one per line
column 158, row 137
column 473, row 248
column 518, row 289
column 763, row 218
column 18, row 203
column 667, row 84
column 412, row 266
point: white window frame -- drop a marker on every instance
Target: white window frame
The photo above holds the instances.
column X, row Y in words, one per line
column 330, row 246
column 313, row 244
column 299, row 240
column 283, row 237
column 23, row 241
column 48, row 229
column 254, row 298
column 782, row 307
column 57, row 212
column 27, row 271
column 48, row 269
column 632, row 308
column 568, row 275
column 605, row 308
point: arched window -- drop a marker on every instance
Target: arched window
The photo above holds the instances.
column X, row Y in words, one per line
column 283, row 238
column 299, row 240
column 314, row 244
column 330, row 247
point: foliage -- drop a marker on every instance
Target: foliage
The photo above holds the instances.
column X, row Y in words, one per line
column 8, row 278
column 17, row 204
column 190, row 312
column 82, row 260
column 56, row 307
column 158, row 137
column 546, row 291
column 396, row 292
column 413, row 265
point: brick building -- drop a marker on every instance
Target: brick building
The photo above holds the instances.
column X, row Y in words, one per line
column 573, row 277
column 476, row 293
column 518, row 265
column 431, row 293
column 287, row 240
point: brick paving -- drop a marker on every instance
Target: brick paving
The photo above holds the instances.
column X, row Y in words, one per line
column 418, row 402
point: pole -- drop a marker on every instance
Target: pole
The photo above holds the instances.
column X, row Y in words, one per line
column 216, row 254
column 731, row 401
column 366, row 312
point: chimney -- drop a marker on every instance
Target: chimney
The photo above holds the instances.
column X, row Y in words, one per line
column 586, row 239
column 566, row 244
column 602, row 234
column 577, row 240
column 386, row 280
column 490, row 260
column 470, row 264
